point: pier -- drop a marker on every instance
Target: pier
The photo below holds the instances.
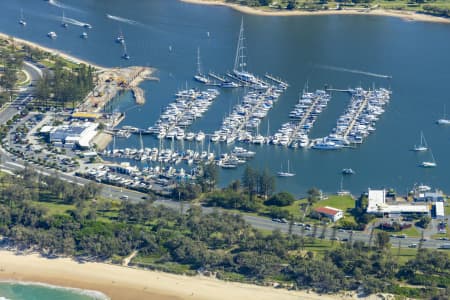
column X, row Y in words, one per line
column 277, row 80
column 217, row 77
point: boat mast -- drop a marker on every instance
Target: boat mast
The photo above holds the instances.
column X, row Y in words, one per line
column 239, row 61
column 198, row 62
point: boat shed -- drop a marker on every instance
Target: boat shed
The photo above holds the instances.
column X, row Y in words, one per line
column 438, row 210
column 331, row 213
column 377, row 205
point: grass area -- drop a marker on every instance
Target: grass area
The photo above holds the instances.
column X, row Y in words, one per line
column 411, row 232
column 55, row 208
column 404, row 254
column 152, row 262
column 344, row 203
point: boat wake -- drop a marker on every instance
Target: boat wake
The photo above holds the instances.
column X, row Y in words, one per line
column 64, row 6
column 353, row 71
column 123, row 20
column 75, row 22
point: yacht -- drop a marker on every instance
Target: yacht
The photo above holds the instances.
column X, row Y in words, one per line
column 429, row 164
column 87, row 26
column 423, row 144
column 348, row 171
column 200, row 136
column 282, row 173
column 52, row 35
column 229, row 84
column 120, row 39
column 84, row 35
column 190, row 136
column 199, row 76
column 64, row 24
column 22, row 20
column 444, row 120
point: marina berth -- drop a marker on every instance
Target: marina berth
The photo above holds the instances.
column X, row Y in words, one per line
column 303, row 117
column 358, row 120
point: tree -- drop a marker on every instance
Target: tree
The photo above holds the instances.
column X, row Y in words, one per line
column 266, row 183
column 250, row 181
column 281, row 199
column 313, row 195
column 291, row 4
column 382, row 240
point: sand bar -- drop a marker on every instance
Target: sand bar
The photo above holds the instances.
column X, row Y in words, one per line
column 406, row 15
column 133, row 284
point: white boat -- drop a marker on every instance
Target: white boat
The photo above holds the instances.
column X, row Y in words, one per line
column 190, row 136
column 125, row 53
column 120, row 39
column 64, row 24
column 348, row 171
column 229, row 84
column 199, row 76
column 200, row 136
column 87, row 25
column 429, row 164
column 22, row 19
column 239, row 70
column 281, row 173
column 423, row 144
column 84, row 35
column 444, row 120
column 52, row 35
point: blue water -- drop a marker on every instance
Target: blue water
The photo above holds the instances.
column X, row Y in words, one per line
column 22, row 291
column 414, row 53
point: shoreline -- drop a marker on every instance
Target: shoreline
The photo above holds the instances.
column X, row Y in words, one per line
column 118, row 282
column 405, row 15
column 53, row 51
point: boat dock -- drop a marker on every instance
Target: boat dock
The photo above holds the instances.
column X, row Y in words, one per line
column 340, row 90
column 359, row 110
column 217, row 77
column 277, row 80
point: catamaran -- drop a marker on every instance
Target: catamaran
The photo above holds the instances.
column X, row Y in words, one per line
column 199, row 76
column 22, row 20
column 281, row 173
column 429, row 164
column 423, row 144
column 444, row 120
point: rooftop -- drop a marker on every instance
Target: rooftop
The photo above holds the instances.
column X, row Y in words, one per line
column 327, row 210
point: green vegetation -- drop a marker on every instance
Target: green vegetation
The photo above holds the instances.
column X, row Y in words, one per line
column 11, row 61
column 439, row 8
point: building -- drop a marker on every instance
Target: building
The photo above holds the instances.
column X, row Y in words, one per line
column 331, row 213
column 438, row 210
column 377, row 205
column 436, row 196
column 75, row 134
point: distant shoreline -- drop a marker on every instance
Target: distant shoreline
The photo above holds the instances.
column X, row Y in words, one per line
column 119, row 282
column 405, row 15
column 51, row 51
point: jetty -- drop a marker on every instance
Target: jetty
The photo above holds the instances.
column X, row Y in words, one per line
column 277, row 80
column 217, row 77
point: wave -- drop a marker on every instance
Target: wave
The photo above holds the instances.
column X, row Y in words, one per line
column 353, row 71
column 123, row 20
column 64, row 6
column 97, row 295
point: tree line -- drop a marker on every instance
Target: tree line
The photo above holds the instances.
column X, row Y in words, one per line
column 222, row 243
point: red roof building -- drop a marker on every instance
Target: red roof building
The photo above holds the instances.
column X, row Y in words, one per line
column 333, row 214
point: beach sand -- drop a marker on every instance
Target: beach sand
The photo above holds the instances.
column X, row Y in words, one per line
column 134, row 284
column 406, row 15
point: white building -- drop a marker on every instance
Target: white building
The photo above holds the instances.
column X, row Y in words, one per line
column 377, row 205
column 331, row 213
column 75, row 134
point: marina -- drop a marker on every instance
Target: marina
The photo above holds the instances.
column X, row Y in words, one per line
column 381, row 160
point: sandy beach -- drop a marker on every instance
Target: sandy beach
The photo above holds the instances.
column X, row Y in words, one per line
column 133, row 284
column 406, row 15
column 52, row 51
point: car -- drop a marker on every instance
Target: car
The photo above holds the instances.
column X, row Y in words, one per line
column 335, row 238
column 341, row 230
column 403, row 236
column 412, row 246
column 276, row 220
column 423, row 240
column 124, row 197
column 284, row 220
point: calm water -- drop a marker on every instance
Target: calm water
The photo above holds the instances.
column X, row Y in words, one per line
column 17, row 291
column 414, row 53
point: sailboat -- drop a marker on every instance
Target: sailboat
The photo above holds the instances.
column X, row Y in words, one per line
column 125, row 53
column 281, row 173
column 120, row 39
column 444, row 120
column 239, row 69
column 22, row 20
column 199, row 76
column 423, row 144
column 63, row 21
column 429, row 164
